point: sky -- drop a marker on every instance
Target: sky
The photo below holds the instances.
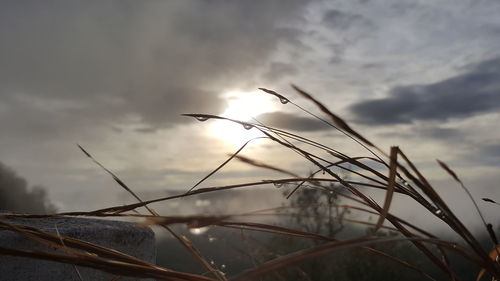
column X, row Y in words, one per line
column 115, row 76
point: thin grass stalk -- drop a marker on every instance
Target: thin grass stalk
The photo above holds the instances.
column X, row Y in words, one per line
column 370, row 202
column 280, row 133
column 55, row 242
column 449, row 217
column 457, row 179
column 221, row 165
column 297, row 257
column 64, row 245
column 390, row 188
column 287, row 232
column 183, row 240
column 423, row 181
column 110, row 266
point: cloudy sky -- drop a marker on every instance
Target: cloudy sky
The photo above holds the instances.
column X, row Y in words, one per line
column 114, row 76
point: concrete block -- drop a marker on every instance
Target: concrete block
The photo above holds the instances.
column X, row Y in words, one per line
column 121, row 236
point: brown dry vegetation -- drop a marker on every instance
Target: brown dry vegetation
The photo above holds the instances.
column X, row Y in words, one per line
column 391, row 171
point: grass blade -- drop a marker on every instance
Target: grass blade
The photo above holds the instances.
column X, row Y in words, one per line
column 339, row 122
column 390, row 188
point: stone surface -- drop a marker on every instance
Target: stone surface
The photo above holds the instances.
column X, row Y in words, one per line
column 121, row 236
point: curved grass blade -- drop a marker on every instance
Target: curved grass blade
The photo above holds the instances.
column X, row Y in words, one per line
column 183, row 240
column 110, row 266
column 221, row 165
column 390, row 188
column 490, row 201
column 494, row 257
column 339, row 122
column 300, row 256
column 455, row 177
column 264, row 166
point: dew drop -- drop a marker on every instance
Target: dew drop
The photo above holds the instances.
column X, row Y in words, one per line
column 404, row 182
column 284, row 100
column 223, row 266
column 212, row 239
column 278, row 184
column 438, row 212
column 247, row 126
column 201, row 118
column 212, row 262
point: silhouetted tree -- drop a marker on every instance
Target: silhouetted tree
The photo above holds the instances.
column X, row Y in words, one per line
column 316, row 211
column 17, row 197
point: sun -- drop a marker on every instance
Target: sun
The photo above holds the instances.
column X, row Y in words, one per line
column 242, row 106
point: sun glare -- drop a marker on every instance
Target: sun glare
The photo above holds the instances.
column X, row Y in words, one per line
column 242, row 106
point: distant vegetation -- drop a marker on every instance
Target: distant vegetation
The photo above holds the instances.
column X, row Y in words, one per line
column 16, row 196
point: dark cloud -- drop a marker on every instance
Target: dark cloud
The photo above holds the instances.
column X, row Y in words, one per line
column 489, row 154
column 17, row 197
column 426, row 132
column 445, row 134
column 287, row 121
column 372, row 65
column 474, row 92
column 341, row 20
column 278, row 70
column 492, row 150
column 481, row 153
column 78, row 63
column 145, row 130
column 348, row 29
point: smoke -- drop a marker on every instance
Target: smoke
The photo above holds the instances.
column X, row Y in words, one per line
column 17, row 197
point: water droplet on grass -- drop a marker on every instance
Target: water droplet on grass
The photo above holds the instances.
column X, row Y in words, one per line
column 284, row 100
column 201, row 118
column 278, row 184
column 247, row 126
column 404, row 182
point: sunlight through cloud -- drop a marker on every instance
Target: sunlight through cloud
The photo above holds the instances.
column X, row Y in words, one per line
column 242, row 106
